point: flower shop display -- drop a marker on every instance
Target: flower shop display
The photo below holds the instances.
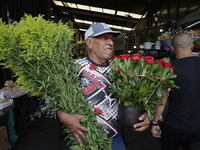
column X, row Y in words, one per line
column 165, row 39
column 140, row 81
column 39, row 52
column 194, row 33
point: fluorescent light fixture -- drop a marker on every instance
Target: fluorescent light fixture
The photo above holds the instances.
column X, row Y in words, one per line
column 164, row 12
column 97, row 9
column 122, row 13
column 84, row 7
column 72, row 5
column 133, row 15
column 110, row 25
column 193, row 24
column 87, row 22
column 117, row 27
column 78, row 20
column 82, row 29
column 145, row 15
column 59, row 3
column 108, row 11
column 158, row 12
column 193, row 7
column 125, row 28
column 183, row 9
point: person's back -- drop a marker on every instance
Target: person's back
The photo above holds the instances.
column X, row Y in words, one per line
column 181, row 123
column 184, row 103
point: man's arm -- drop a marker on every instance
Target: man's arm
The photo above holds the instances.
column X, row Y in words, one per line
column 72, row 122
column 159, row 110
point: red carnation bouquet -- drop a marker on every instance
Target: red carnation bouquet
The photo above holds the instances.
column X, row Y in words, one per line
column 140, row 81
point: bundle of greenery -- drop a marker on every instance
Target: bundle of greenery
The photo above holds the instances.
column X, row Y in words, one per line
column 39, row 52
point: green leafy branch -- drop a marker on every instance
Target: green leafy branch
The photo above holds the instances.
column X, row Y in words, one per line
column 39, row 52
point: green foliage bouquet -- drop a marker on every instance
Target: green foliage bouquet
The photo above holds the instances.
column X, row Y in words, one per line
column 140, row 81
column 39, row 52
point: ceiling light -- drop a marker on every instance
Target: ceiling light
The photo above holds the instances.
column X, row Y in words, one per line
column 110, row 25
column 193, row 7
column 97, row 9
column 87, row 22
column 72, row 5
column 125, row 28
column 78, row 20
column 117, row 27
column 133, row 15
column 183, row 9
column 193, row 24
column 122, row 13
column 59, row 3
column 82, row 29
column 84, row 7
column 108, row 11
column 145, row 15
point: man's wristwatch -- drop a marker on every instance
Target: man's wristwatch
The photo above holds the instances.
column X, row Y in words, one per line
column 154, row 124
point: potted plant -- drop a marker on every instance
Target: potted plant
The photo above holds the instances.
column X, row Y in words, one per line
column 140, row 82
column 150, row 37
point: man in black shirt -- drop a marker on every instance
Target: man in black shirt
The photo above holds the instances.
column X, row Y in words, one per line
column 181, row 125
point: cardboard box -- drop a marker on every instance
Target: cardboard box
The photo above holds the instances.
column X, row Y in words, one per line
column 4, row 142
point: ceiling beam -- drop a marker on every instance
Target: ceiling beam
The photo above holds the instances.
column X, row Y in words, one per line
column 96, row 14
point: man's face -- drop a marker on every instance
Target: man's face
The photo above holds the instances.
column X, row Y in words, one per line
column 101, row 48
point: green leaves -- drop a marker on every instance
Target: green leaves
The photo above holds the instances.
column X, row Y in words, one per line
column 39, row 52
column 140, row 84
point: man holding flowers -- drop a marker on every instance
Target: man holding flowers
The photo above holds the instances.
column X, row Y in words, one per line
column 95, row 84
column 181, row 125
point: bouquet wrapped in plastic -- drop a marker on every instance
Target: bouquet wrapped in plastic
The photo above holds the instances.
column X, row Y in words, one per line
column 165, row 39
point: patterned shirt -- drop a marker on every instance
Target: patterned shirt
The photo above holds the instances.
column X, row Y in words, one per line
column 95, row 84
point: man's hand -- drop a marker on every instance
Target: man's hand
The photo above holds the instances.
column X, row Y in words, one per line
column 142, row 125
column 156, row 132
column 72, row 121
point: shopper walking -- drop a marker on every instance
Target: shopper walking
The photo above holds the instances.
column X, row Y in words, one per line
column 181, row 124
column 95, row 84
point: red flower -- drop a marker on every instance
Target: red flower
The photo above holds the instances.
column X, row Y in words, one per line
column 136, row 57
column 124, row 56
column 161, row 63
column 196, row 46
column 168, row 65
column 115, row 56
column 149, row 59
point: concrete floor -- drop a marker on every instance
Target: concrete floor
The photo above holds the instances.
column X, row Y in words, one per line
column 48, row 138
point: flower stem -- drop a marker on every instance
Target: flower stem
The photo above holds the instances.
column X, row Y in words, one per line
column 152, row 93
column 139, row 83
